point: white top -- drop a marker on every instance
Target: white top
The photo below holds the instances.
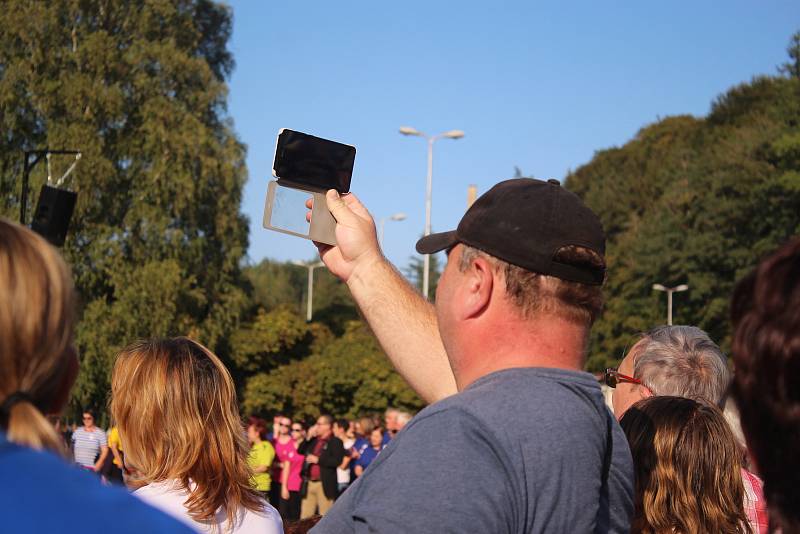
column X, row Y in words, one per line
column 169, row 497
column 343, row 475
column 87, row 445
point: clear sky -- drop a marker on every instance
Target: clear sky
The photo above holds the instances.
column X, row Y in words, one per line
column 539, row 87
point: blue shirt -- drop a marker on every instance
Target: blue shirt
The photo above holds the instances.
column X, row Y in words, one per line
column 527, row 450
column 367, row 455
column 39, row 492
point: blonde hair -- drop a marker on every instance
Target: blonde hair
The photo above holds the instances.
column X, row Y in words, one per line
column 37, row 303
column 688, row 468
column 175, row 406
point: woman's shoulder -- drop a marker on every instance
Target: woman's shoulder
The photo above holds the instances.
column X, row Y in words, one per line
column 266, row 521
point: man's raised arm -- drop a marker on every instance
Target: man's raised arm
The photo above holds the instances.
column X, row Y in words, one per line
column 402, row 320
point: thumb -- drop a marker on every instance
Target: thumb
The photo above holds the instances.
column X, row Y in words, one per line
column 338, row 208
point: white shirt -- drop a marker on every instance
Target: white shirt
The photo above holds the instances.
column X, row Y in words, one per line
column 169, row 497
column 343, row 475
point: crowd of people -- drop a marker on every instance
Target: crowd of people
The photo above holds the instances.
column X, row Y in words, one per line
column 516, row 437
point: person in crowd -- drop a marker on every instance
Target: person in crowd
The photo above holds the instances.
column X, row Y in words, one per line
column 197, row 471
column 687, row 466
column 292, row 462
column 371, row 452
column 364, row 427
column 90, row 444
column 402, row 420
column 114, row 469
column 280, row 438
column 502, row 352
column 291, row 467
column 390, row 424
column 765, row 310
column 38, row 366
column 262, row 453
column 323, row 454
column 682, row 361
column 340, row 428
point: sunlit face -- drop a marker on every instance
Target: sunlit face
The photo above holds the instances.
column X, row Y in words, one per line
column 627, row 394
column 88, row 420
column 284, row 425
column 376, row 438
column 252, row 434
column 324, row 427
column 448, row 283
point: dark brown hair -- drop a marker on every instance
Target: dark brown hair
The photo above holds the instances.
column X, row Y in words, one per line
column 688, row 468
column 766, row 382
column 259, row 424
column 534, row 293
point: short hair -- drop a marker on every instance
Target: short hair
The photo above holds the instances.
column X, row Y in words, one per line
column 687, row 467
column 766, row 385
column 682, row 361
column 328, row 418
column 367, row 424
column 404, row 417
column 37, row 324
column 168, row 396
column 259, row 424
column 342, row 423
column 534, row 293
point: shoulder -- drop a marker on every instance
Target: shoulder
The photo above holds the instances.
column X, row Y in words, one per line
column 266, row 521
column 42, row 476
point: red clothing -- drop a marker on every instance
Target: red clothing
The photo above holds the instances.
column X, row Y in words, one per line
column 319, row 446
column 755, row 507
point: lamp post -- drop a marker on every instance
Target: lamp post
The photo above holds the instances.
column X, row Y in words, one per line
column 310, row 267
column 394, row 217
column 669, row 291
column 452, row 134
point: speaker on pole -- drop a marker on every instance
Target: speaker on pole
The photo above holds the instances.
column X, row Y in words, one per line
column 53, row 213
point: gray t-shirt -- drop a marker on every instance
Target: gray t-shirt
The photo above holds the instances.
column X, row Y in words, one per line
column 520, row 450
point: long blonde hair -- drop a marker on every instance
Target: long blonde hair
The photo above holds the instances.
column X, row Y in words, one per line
column 37, row 360
column 688, row 468
column 175, row 406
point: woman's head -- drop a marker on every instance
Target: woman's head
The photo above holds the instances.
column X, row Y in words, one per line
column 766, row 385
column 376, row 437
column 38, row 364
column 175, row 406
column 256, row 429
column 687, row 465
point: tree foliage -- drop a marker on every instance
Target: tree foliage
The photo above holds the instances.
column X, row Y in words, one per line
column 139, row 87
column 696, row 201
column 348, row 376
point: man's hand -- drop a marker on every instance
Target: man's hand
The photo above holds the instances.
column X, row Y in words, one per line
column 310, row 458
column 357, row 244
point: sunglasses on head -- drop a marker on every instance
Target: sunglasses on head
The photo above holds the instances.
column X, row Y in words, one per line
column 612, row 377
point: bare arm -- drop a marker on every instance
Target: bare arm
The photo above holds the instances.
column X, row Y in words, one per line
column 98, row 465
column 403, row 321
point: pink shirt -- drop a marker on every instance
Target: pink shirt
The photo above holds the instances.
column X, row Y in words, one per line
column 287, row 452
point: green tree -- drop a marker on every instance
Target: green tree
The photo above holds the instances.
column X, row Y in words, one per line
column 415, row 273
column 792, row 67
column 348, row 376
column 139, row 87
column 695, row 201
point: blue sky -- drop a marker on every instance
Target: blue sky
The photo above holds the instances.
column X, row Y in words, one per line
column 533, row 85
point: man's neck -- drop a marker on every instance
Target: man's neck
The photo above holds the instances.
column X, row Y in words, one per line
column 544, row 342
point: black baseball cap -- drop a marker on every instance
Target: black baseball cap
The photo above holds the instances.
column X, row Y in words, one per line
column 525, row 222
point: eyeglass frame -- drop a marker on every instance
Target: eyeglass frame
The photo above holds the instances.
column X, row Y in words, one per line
column 612, row 377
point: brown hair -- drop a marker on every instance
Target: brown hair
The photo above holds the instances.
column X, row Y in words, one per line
column 766, row 383
column 175, row 406
column 260, row 426
column 37, row 304
column 688, row 468
column 535, row 293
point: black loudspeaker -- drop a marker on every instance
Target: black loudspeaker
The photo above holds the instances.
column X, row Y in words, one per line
column 53, row 212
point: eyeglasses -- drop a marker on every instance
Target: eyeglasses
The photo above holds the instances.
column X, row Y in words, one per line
column 612, row 377
column 284, row 425
column 88, row 418
column 297, row 430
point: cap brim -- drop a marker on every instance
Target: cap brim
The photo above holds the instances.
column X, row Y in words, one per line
column 436, row 242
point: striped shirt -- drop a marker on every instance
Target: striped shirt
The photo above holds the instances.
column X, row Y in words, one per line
column 87, row 445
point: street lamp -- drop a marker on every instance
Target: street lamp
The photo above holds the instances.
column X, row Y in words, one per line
column 669, row 291
column 395, row 217
column 310, row 267
column 452, row 134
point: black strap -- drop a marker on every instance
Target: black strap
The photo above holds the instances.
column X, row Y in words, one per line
column 12, row 400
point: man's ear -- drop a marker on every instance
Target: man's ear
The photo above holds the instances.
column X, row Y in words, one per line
column 477, row 290
column 645, row 392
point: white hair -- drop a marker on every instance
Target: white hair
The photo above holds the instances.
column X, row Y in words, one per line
column 684, row 362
